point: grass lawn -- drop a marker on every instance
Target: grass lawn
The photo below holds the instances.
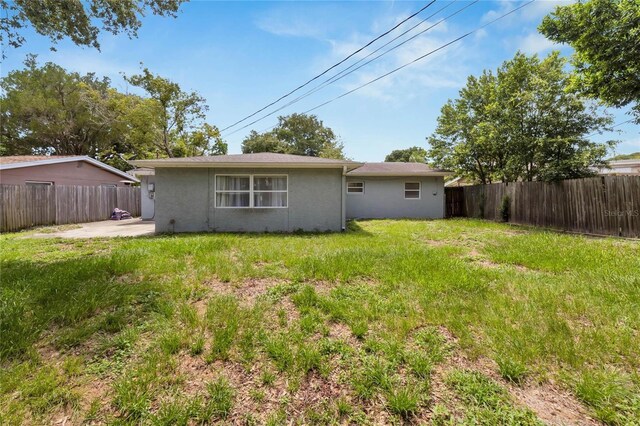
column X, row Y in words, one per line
column 443, row 322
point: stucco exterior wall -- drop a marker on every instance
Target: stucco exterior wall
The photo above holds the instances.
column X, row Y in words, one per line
column 187, row 196
column 383, row 197
column 147, row 207
column 71, row 173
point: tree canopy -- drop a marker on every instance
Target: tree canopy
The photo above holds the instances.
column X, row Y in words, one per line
column 605, row 35
column 45, row 109
column 298, row 134
column 415, row 154
column 519, row 123
column 80, row 21
column 632, row 156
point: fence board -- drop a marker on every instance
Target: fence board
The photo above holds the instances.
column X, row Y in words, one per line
column 24, row 206
column 607, row 205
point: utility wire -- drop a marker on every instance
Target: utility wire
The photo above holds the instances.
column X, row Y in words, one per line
column 417, row 59
column 612, row 127
column 331, row 67
column 343, row 73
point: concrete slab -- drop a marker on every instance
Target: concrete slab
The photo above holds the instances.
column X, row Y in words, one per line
column 105, row 228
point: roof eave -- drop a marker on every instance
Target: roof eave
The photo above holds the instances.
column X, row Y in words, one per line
column 69, row 160
column 151, row 164
column 402, row 174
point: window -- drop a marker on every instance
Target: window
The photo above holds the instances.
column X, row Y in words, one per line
column 251, row 191
column 412, row 190
column 109, row 185
column 355, row 187
column 38, row 183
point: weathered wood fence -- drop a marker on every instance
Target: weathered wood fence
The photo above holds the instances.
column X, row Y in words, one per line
column 26, row 206
column 601, row 205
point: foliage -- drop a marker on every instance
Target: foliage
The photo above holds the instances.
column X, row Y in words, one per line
column 505, row 204
column 604, row 35
column 76, row 20
column 180, row 118
column 632, row 156
column 48, row 110
column 415, row 154
column 519, row 124
column 297, row 134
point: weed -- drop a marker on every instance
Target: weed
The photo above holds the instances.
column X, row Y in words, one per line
column 404, row 401
column 512, row 370
column 220, row 399
column 279, row 350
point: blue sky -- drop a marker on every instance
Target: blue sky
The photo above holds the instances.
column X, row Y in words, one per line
column 242, row 55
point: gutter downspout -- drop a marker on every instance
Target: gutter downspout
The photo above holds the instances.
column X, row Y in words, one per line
column 344, row 198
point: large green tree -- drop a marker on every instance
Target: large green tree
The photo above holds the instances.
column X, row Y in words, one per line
column 80, row 21
column 298, row 134
column 45, row 109
column 605, row 35
column 415, row 154
column 180, row 117
column 519, row 123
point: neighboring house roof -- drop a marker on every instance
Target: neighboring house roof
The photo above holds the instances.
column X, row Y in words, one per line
column 397, row 169
column 263, row 159
column 21, row 161
column 621, row 167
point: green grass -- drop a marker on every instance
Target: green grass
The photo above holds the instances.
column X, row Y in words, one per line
column 132, row 330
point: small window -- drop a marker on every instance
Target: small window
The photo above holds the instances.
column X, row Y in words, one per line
column 355, row 187
column 38, row 183
column 412, row 190
column 109, row 185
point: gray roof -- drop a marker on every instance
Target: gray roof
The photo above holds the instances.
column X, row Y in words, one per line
column 262, row 159
column 397, row 169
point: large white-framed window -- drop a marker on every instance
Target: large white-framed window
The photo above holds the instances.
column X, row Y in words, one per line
column 412, row 190
column 260, row 191
column 355, row 188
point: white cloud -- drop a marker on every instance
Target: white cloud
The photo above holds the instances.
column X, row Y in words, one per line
column 532, row 12
column 535, row 43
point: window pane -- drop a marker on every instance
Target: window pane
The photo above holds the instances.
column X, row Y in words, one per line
column 232, row 199
column 412, row 185
column 270, row 199
column 232, row 183
column 270, row 183
column 411, row 194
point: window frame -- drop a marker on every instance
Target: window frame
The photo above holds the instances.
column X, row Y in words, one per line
column 39, row 182
column 361, row 182
column 413, row 190
column 251, row 190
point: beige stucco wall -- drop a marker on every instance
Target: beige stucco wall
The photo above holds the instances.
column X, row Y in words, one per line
column 72, row 173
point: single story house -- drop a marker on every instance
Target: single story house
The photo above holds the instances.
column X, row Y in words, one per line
column 621, row 168
column 39, row 170
column 269, row 192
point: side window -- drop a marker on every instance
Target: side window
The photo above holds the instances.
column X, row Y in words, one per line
column 355, row 187
column 412, row 190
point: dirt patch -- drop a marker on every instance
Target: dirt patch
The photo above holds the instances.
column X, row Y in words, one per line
column 550, row 403
column 246, row 291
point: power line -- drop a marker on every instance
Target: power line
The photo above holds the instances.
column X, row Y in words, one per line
column 333, row 66
column 612, row 127
column 342, row 74
column 420, row 57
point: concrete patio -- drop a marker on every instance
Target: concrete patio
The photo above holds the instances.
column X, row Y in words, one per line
column 106, row 228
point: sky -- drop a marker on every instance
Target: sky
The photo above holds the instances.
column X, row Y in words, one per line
column 241, row 56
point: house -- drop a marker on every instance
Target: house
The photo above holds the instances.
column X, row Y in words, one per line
column 621, row 168
column 395, row 190
column 269, row 192
column 60, row 170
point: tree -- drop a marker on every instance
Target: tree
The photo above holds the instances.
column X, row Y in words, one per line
column 632, row 156
column 77, row 19
column 48, row 110
column 519, row 124
column 415, row 154
column 605, row 35
column 180, row 116
column 297, row 134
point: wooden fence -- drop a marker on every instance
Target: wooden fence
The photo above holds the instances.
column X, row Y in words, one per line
column 601, row 205
column 26, row 206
